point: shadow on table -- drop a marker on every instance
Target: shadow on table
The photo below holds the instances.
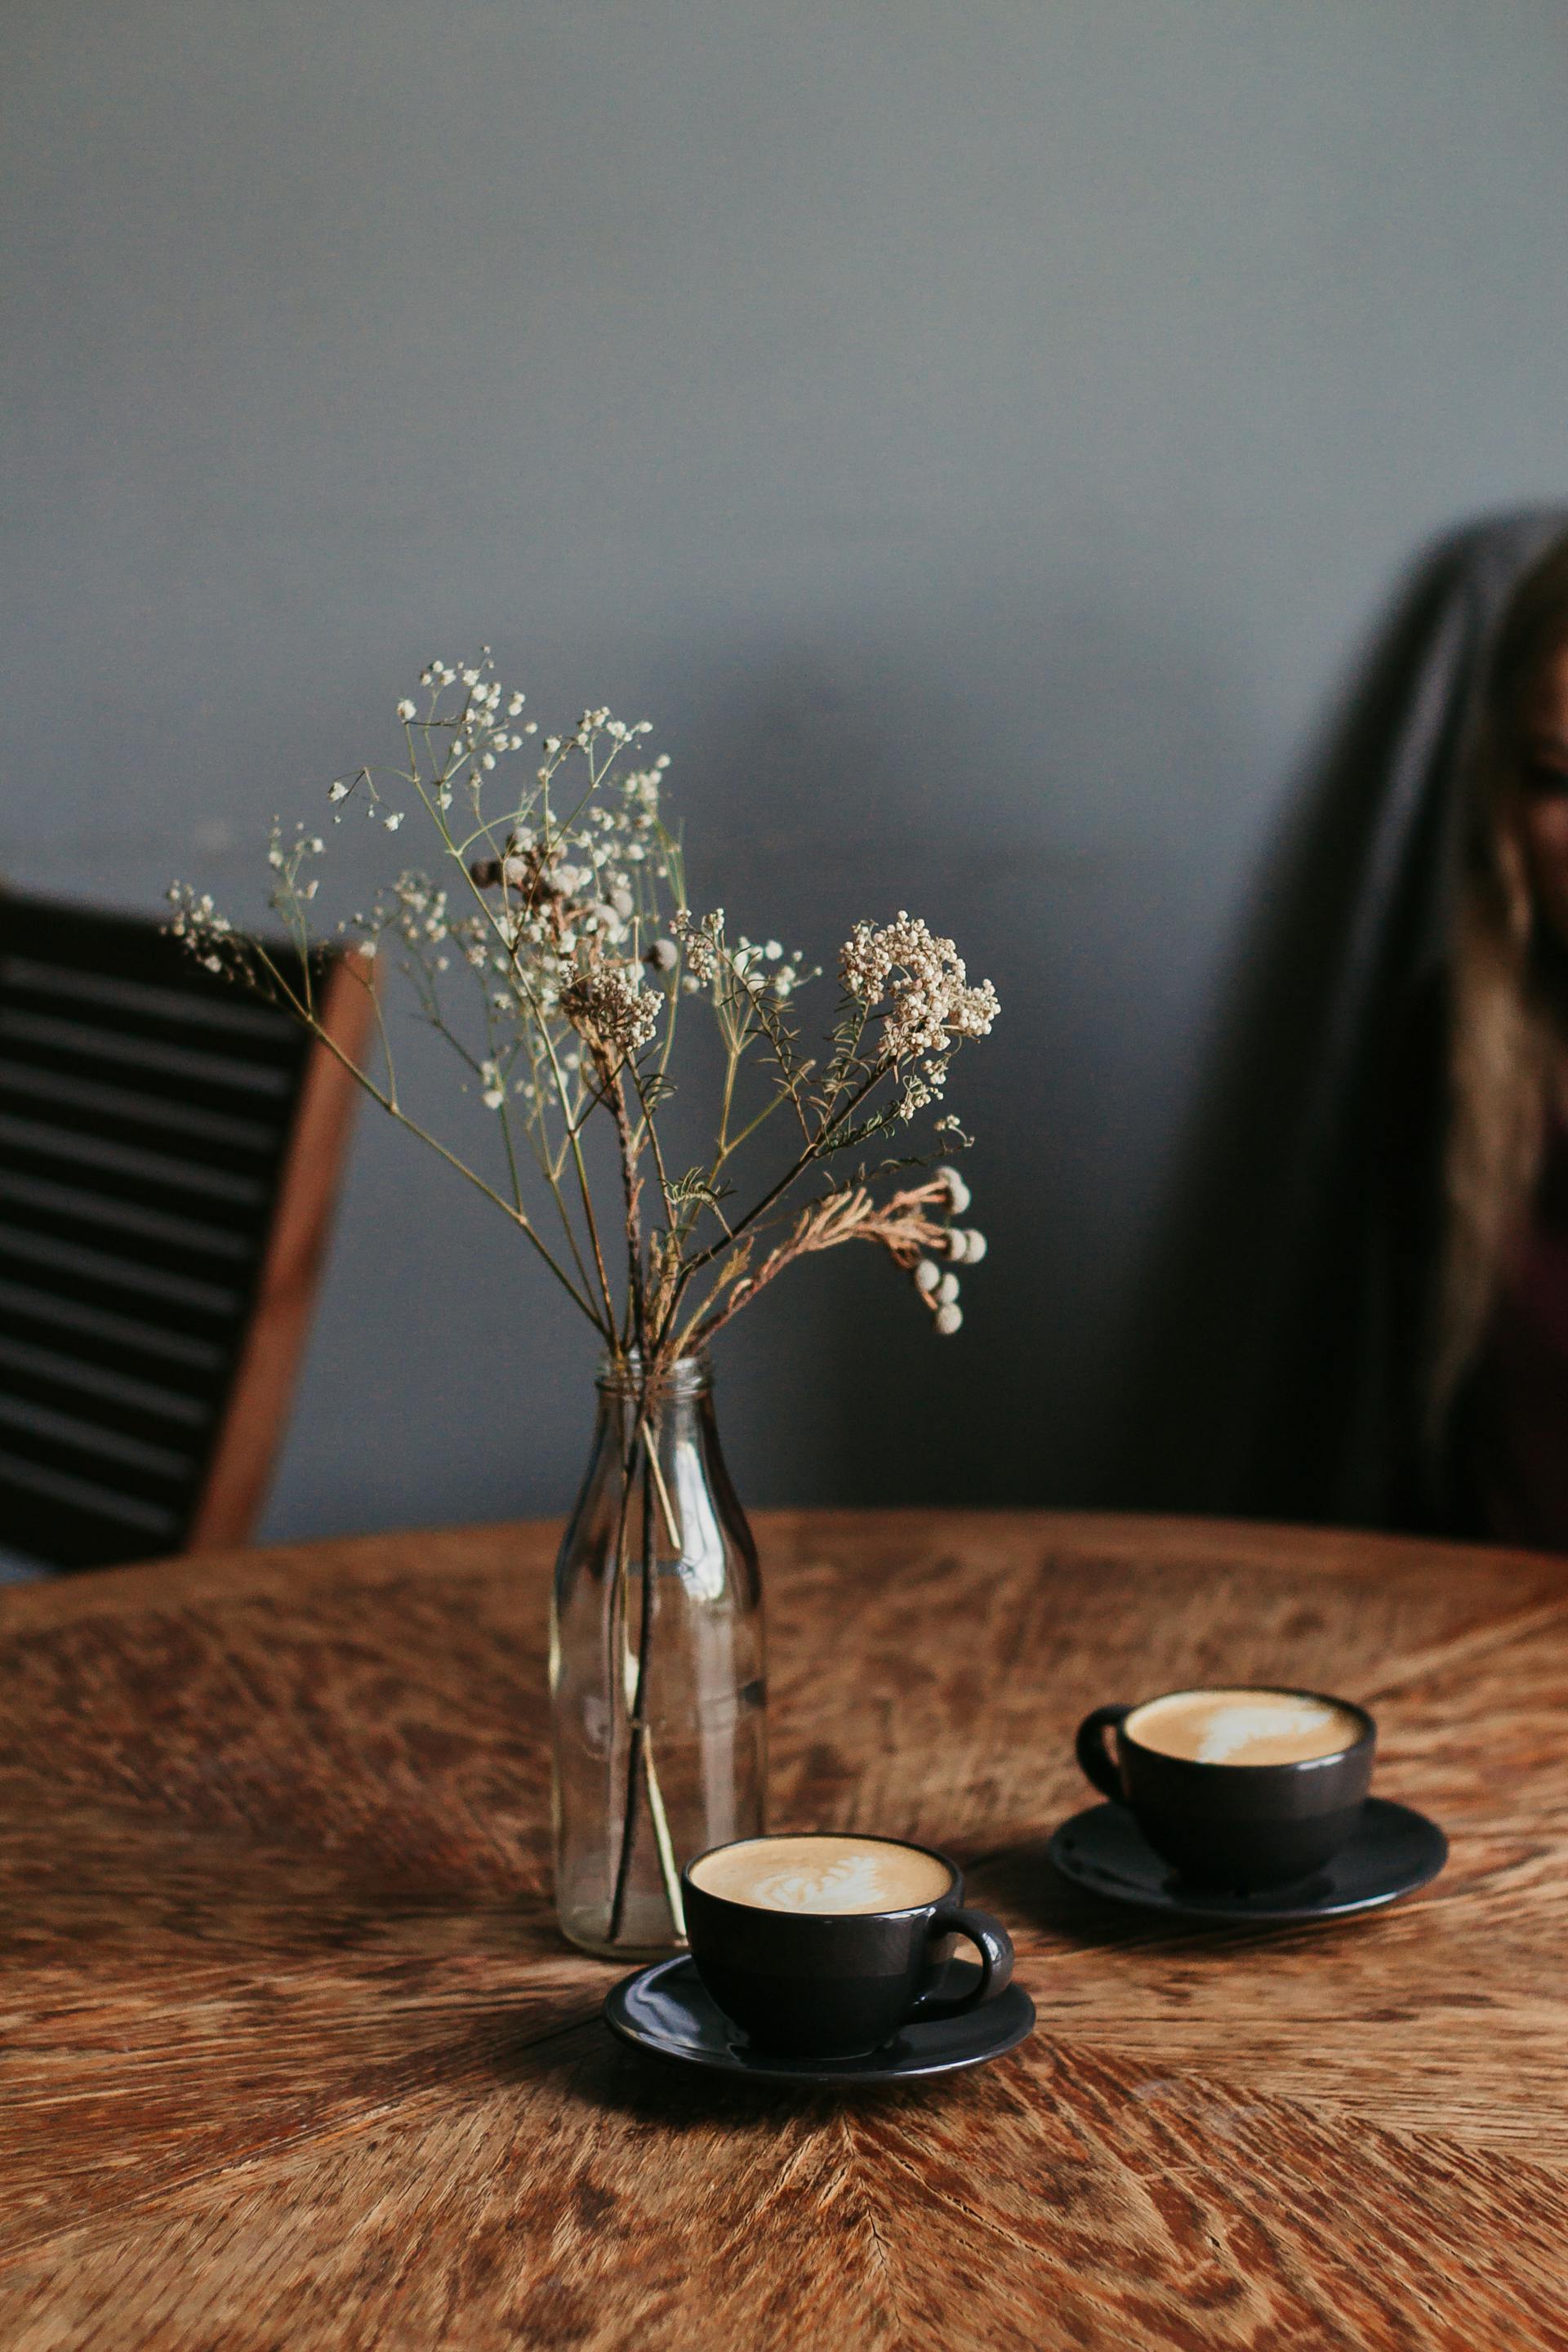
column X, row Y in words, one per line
column 1027, row 1892
column 1030, row 1894
column 583, row 2061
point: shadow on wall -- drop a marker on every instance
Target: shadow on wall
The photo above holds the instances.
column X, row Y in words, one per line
column 1094, row 918
column 1253, row 1372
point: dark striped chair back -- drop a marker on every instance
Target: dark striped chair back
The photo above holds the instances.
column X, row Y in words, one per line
column 169, row 1149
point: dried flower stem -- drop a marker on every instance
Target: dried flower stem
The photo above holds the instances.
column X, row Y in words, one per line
column 902, row 1227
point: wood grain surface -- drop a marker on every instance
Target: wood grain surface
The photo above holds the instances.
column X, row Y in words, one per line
column 292, row 2057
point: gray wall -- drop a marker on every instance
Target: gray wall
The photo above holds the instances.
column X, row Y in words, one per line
column 980, row 438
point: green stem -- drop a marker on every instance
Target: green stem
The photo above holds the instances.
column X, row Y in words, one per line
column 518, row 1217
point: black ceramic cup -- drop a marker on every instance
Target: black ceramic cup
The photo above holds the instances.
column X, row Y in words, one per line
column 1238, row 1826
column 837, row 1984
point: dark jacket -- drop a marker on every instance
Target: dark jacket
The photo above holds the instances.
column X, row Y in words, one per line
column 1337, row 1428
column 1290, row 1307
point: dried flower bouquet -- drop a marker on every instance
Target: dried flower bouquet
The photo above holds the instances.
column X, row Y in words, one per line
column 552, row 949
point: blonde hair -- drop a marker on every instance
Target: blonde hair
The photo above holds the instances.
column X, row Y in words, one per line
column 1506, row 1034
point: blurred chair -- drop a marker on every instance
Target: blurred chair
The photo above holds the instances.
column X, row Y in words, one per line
column 169, row 1151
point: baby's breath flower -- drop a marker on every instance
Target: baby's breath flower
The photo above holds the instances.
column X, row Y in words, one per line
column 700, row 941
column 406, row 708
column 928, row 1001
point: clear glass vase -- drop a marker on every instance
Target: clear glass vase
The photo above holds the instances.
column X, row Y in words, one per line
column 656, row 1666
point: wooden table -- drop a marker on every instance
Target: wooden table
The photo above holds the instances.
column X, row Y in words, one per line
column 293, row 2058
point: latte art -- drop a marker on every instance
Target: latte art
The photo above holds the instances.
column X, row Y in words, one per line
column 823, row 1874
column 854, row 1884
column 1244, row 1726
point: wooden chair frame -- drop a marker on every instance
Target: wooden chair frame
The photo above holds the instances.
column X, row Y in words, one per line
column 240, row 1467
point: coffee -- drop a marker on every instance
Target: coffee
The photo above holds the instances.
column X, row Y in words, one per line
column 1239, row 1789
column 827, row 1946
column 1244, row 1726
column 822, row 1875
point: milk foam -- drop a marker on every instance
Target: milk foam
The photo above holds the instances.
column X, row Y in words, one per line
column 851, row 1885
column 1244, row 1726
column 823, row 1874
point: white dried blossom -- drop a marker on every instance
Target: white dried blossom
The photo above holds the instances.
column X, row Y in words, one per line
column 700, row 941
column 947, row 1289
column 948, row 1320
column 406, row 708
column 924, row 979
column 663, row 955
column 928, row 1273
column 957, row 1245
column 977, row 1245
column 958, row 1195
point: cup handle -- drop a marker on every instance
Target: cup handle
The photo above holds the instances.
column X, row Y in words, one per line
column 1094, row 1758
column 995, row 1946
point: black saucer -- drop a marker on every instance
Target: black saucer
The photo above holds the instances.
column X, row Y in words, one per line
column 1393, row 1852
column 665, row 2008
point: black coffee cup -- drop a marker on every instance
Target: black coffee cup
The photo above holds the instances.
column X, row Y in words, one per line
column 1234, row 1825
column 836, row 1984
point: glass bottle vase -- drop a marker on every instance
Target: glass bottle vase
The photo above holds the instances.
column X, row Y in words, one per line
column 656, row 1666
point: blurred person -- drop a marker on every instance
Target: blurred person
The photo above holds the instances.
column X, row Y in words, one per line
column 1372, row 1322
column 1493, row 1338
